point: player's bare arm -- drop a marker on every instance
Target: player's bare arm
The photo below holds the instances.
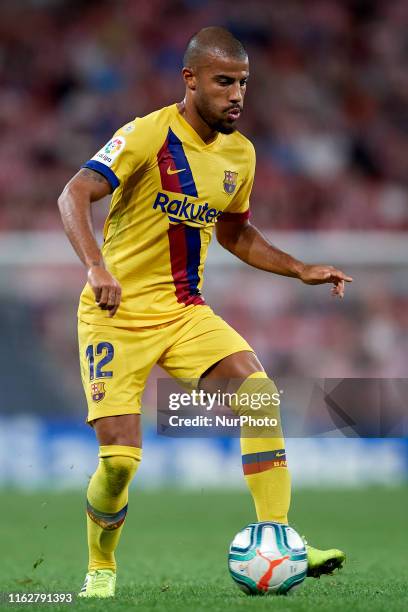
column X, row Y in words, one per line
column 74, row 203
column 247, row 243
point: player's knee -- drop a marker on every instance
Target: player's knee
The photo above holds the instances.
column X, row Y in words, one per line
column 119, row 472
column 258, row 396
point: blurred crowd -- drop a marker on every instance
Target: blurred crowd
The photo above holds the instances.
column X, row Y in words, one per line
column 327, row 109
column 303, row 331
column 327, row 102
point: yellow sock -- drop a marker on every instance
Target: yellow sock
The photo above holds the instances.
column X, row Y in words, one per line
column 264, row 458
column 107, row 502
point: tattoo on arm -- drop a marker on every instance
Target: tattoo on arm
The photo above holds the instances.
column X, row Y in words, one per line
column 94, row 176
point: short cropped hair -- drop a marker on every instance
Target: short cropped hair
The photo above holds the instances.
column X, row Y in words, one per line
column 213, row 40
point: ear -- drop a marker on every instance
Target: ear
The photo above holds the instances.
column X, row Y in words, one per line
column 189, row 78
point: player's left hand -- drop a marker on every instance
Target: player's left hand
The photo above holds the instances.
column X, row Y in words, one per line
column 318, row 275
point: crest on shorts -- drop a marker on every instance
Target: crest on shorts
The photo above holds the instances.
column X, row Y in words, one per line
column 230, row 181
column 98, row 391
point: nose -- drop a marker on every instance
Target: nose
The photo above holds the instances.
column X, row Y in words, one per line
column 235, row 93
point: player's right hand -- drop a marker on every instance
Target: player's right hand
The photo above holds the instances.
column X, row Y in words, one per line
column 106, row 288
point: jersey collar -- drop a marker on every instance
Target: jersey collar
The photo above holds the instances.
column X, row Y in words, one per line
column 191, row 131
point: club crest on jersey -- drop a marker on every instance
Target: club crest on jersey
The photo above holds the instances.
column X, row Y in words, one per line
column 98, row 391
column 230, row 181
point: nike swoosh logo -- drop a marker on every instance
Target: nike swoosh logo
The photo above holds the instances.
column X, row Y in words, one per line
column 170, row 171
column 279, row 454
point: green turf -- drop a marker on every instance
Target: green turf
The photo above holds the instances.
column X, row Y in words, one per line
column 173, row 551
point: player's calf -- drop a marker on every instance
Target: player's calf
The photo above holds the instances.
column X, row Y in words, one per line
column 263, row 448
column 107, row 501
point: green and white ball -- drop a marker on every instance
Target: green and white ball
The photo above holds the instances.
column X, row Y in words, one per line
column 267, row 558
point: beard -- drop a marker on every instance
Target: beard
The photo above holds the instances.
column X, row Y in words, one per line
column 216, row 123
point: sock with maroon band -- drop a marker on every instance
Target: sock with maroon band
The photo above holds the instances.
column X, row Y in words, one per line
column 263, row 449
column 107, row 502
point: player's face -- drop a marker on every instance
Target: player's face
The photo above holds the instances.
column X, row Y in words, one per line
column 219, row 92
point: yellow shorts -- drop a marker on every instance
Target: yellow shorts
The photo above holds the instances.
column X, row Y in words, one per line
column 116, row 361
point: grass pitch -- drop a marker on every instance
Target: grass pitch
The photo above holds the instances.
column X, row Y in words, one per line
column 173, row 550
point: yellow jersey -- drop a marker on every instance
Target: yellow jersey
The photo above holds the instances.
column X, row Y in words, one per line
column 169, row 189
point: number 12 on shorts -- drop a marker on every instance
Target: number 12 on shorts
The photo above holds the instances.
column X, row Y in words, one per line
column 106, row 351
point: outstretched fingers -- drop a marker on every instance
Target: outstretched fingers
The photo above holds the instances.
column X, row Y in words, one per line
column 338, row 278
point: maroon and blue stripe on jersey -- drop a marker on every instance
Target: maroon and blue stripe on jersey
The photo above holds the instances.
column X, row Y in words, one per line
column 175, row 171
column 184, row 240
column 185, row 257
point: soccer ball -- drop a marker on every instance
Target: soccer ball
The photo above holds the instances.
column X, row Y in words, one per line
column 267, row 558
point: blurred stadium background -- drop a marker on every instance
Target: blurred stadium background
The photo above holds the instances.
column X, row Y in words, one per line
column 327, row 109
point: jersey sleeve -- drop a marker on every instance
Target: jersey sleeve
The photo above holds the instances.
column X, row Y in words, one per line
column 238, row 210
column 124, row 154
